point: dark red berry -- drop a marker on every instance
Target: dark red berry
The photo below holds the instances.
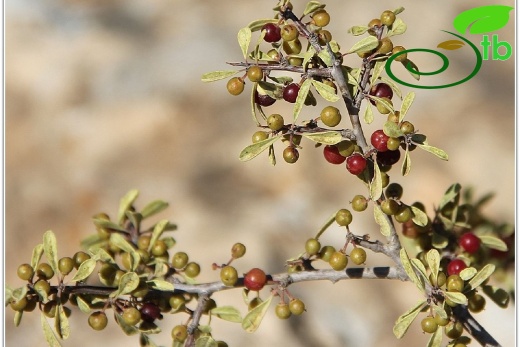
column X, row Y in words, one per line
column 150, row 312
column 388, row 157
column 331, row 154
column 456, row 266
column 290, row 92
column 264, row 100
column 381, row 90
column 469, row 242
column 379, row 140
column 356, row 163
column 255, row 279
column 272, row 32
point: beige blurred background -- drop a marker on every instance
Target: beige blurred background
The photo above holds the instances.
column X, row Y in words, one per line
column 105, row 96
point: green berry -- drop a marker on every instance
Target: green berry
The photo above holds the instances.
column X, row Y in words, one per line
column 180, row 333
column 25, row 272
column 292, row 47
column 19, row 305
column 282, row 311
column 108, row 273
column 382, row 107
column 454, row 283
column 429, row 325
column 358, row 255
column 275, row 122
column 404, row 214
column 143, row 242
column 453, row 330
column 343, row 217
column 141, row 290
column 79, row 258
column 440, row 321
column 326, row 252
column 159, row 248
column 255, row 73
column 398, row 49
column 476, row 303
column 338, row 261
column 385, row 46
column 44, row 271
column 98, row 320
column 254, row 303
column 65, row 265
column 346, row 148
column 394, row 190
column 359, row 203
column 296, row 306
column 407, row 127
column 192, row 270
column 321, row 18
column 330, row 116
column 289, row 32
column 290, row 155
column 390, row 207
column 393, row 143
column 387, row 17
column 179, row 260
column 259, row 136
column 228, row 275
column 177, row 302
column 238, row 250
column 312, row 246
column 42, row 286
column 131, row 316
column 235, row 86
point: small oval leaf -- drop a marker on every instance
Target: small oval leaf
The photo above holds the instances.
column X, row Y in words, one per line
column 398, row 28
column 327, row 92
column 36, row 255
column 481, row 276
column 253, row 319
column 365, row 45
column 206, row 341
column 382, row 220
column 436, row 151
column 368, row 116
column 493, row 242
column 358, row 30
column 153, row 208
column 312, row 6
column 405, row 320
column 325, row 137
column 161, row 285
column 255, row 149
column 218, row 75
column 84, row 270
column 125, row 204
column 228, row 313
column 50, row 249
column 244, row 39
column 391, row 129
column 405, row 106
column 457, row 298
column 300, row 100
column 52, row 341
column 419, row 217
column 468, row 273
column 376, row 186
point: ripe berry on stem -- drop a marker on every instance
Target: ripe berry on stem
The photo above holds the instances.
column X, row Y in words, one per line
column 381, row 90
column 469, row 242
column 272, row 32
column 290, row 92
column 379, row 140
column 264, row 99
column 456, row 266
column 332, row 155
column 356, row 163
column 255, row 279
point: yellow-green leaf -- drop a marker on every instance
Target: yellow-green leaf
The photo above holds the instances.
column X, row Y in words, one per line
column 382, row 220
column 50, row 249
column 398, row 10
column 369, row 114
column 129, row 281
column 392, row 85
column 419, row 266
column 325, row 137
column 493, row 242
column 436, row 151
column 36, row 255
column 364, row 45
column 405, row 106
column 228, row 313
column 244, row 39
column 405, row 320
column 82, row 304
column 254, row 317
column 378, row 68
column 327, row 92
column 61, row 323
column 52, row 341
column 457, row 298
column 206, row 341
column 433, row 258
column 440, row 311
column 419, row 217
column 407, row 163
column 436, row 338
column 391, row 129
column 272, row 156
column 156, row 233
column 218, row 75
column 481, row 276
column 259, row 23
column 358, row 30
column 127, row 329
column 300, row 100
column 398, row 28
column 376, row 186
column 255, row 149
column 412, row 69
column 468, row 273
column 161, row 284
column 312, row 6
column 84, row 270
column 18, row 318
column 119, row 241
column 101, row 254
column 125, row 204
column 153, row 208
column 451, row 45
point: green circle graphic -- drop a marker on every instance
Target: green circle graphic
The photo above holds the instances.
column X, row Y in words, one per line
column 445, row 65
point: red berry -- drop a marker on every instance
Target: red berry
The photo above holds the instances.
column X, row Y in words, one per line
column 456, row 266
column 381, row 90
column 290, row 92
column 150, row 312
column 264, row 100
column 388, row 157
column 255, row 279
column 356, row 163
column 332, row 155
column 379, row 140
column 469, row 242
column 272, row 32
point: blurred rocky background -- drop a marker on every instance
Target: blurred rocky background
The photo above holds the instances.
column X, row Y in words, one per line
column 103, row 96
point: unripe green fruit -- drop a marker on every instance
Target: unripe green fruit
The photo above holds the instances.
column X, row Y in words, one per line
column 393, row 143
column 131, row 316
column 143, row 242
column 382, row 107
column 25, row 272
column 141, row 290
column 292, row 47
column 312, row 246
column 177, row 302
column 398, row 49
column 453, row 330
column 79, row 258
column 255, row 73
column 108, row 273
column 296, row 306
column 393, row 117
column 359, row 203
column 126, row 260
column 346, row 148
column 330, row 116
column 295, row 61
column 440, row 321
column 19, row 305
column 254, row 303
column 324, row 36
column 338, row 261
column 454, row 283
column 358, row 255
column 290, row 155
column 65, row 265
column 476, row 303
column 275, row 122
column 389, row 207
column 394, row 190
column 273, row 54
column 98, row 320
column 192, row 270
column 385, row 46
column 387, row 17
column 321, row 18
column 385, row 179
column 159, row 248
column 180, row 333
column 343, row 217
column 228, row 275
column 259, row 136
column 145, row 256
column 42, row 286
column 49, row 309
column 326, row 252
column 441, row 279
column 428, row 325
column 179, row 260
column 404, row 214
column 238, row 250
column 289, row 32
column 407, row 127
column 235, row 86
column 282, row 311
column 44, row 271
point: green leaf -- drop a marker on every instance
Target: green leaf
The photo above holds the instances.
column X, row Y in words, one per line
column 258, row 24
column 161, row 285
column 135, row 218
column 156, row 233
column 398, row 10
column 272, row 156
column 18, row 318
column 308, row 56
column 218, row 75
column 255, row 149
column 327, row 92
column 419, row 266
column 206, row 341
column 434, row 260
column 378, row 68
column 244, row 39
column 382, row 101
column 483, row 19
column 398, row 28
column 436, row 338
column 493, row 242
column 408, row 268
column 368, row 117
column 457, row 298
column 481, row 276
column 419, row 217
column 440, row 311
column 228, row 313
column 405, row 320
column 325, row 137
column 300, row 100
column 254, row 317
column 61, row 323
column 82, row 304
column 392, row 85
column 52, row 341
column 436, row 151
column 376, row 186
column 451, row 194
column 153, row 208
column 407, row 163
column 19, row 293
column 326, row 57
column 382, row 220
column 405, row 106
column 127, row 329
column 391, row 129
column 100, row 254
column 312, row 6
column 36, row 255
column 129, row 281
column 468, row 273
column 365, row 45
column 120, row 242
column 106, row 224
column 125, row 204
column 439, row 241
column 358, row 30
column 84, row 270
column 50, row 249
column 498, row 295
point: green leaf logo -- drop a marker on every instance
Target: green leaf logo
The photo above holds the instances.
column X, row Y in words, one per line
column 481, row 20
